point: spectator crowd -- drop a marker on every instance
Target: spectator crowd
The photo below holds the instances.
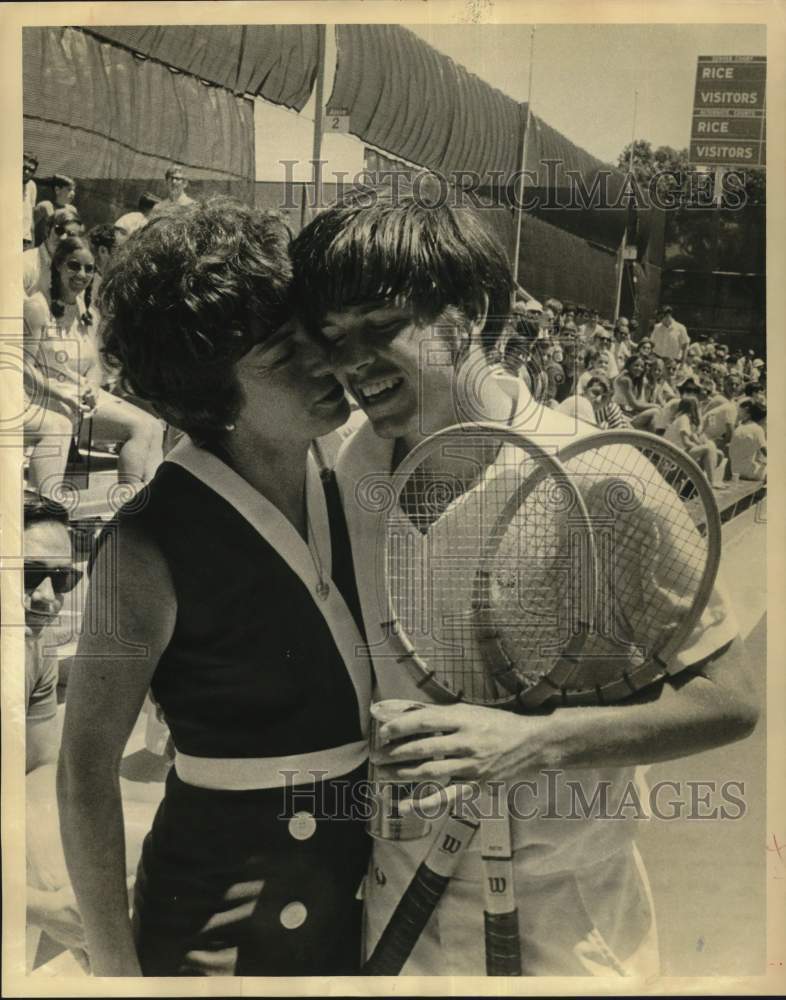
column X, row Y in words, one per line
column 699, row 395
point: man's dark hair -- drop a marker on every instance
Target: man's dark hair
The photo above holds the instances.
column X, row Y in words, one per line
column 751, row 388
column 103, row 235
column 39, row 508
column 416, row 247
column 173, row 169
column 62, row 217
column 147, row 201
column 756, row 411
column 30, row 158
column 62, row 180
column 186, row 298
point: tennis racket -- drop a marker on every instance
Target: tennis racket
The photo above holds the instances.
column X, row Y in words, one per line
column 474, row 508
column 657, row 533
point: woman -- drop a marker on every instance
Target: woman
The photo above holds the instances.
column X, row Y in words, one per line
column 237, row 593
column 630, row 394
column 607, row 413
column 685, row 431
column 62, row 331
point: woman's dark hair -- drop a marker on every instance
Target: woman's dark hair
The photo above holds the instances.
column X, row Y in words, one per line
column 600, row 380
column 416, row 247
column 689, row 404
column 67, row 246
column 185, row 298
column 636, row 381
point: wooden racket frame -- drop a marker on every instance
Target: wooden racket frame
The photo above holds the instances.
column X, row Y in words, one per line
column 497, row 662
column 555, row 688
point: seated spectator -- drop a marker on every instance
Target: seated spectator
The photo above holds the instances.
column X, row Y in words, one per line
column 49, row 575
column 755, row 391
column 29, row 195
column 604, row 341
column 720, row 414
column 555, row 373
column 63, row 339
column 645, row 348
column 685, row 431
column 748, row 447
column 64, row 189
column 606, row 412
column 623, row 347
column 630, row 389
column 37, row 262
column 657, row 390
column 596, row 362
column 104, row 241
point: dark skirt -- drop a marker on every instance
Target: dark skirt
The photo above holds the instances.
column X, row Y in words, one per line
column 235, row 883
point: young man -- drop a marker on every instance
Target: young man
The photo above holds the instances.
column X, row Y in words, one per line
column 670, row 338
column 411, row 301
column 176, row 184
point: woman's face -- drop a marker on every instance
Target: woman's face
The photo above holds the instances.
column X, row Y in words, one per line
column 645, row 348
column 655, row 368
column 601, row 362
column 76, row 273
column 597, row 393
column 671, row 369
column 288, row 390
column 636, row 367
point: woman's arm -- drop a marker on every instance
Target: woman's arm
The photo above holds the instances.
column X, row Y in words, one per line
column 115, row 662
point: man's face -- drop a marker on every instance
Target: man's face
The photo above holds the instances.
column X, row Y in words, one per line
column 176, row 184
column 645, row 348
column 732, row 387
column 666, row 319
column 29, row 168
column 49, row 573
column 603, row 340
column 399, row 370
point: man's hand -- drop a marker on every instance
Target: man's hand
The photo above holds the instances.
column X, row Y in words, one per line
column 463, row 741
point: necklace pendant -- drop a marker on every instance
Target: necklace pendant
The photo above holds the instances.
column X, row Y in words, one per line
column 322, row 590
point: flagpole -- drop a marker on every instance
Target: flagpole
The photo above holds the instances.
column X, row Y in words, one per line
column 316, row 148
column 523, row 163
column 624, row 243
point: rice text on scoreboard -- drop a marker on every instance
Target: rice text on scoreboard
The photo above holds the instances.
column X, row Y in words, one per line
column 728, row 126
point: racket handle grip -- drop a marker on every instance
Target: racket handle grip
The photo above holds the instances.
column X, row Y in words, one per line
column 503, row 946
column 407, row 923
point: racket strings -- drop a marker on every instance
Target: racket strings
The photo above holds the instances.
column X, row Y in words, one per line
column 646, row 515
column 443, row 583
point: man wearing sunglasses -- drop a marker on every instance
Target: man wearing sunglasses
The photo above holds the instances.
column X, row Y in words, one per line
column 49, row 576
column 37, row 262
column 603, row 340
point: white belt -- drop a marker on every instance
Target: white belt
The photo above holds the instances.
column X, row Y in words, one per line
column 242, row 774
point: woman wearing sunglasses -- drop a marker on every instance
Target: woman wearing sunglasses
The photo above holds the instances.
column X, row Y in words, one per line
column 231, row 576
column 65, row 378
